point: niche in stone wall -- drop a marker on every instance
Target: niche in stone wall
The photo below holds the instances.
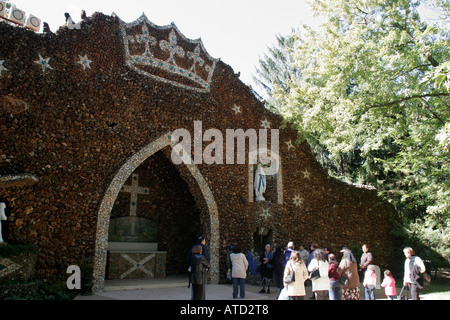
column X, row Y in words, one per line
column 274, row 182
column 261, row 237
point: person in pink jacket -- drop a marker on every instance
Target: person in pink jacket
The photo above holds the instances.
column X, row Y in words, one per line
column 389, row 285
column 370, row 281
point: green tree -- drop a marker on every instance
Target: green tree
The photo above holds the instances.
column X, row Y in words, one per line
column 370, row 93
column 276, row 69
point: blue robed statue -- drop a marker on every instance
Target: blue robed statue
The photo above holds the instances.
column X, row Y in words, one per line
column 259, row 183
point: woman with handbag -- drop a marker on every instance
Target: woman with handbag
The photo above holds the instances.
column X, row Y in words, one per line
column 295, row 275
column 318, row 268
column 348, row 269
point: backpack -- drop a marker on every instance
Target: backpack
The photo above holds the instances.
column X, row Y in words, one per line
column 418, row 277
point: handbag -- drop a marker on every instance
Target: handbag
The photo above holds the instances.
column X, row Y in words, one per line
column 343, row 281
column 426, row 278
column 290, row 278
column 283, row 294
column 315, row 274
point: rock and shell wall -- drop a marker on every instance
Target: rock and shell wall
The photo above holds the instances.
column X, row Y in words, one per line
column 82, row 109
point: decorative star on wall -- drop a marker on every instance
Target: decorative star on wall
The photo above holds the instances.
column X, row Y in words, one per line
column 290, row 145
column 265, row 123
column 85, row 62
column 298, row 201
column 236, row 109
column 306, row 174
column 44, row 63
column 2, row 68
column 265, row 213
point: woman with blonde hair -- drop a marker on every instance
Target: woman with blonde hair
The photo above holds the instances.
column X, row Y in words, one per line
column 296, row 290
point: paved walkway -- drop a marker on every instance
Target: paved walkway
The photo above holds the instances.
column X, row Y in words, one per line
column 175, row 288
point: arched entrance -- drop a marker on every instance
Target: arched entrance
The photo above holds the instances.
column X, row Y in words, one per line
column 106, row 206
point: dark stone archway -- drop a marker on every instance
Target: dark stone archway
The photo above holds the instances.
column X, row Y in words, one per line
column 133, row 164
column 167, row 205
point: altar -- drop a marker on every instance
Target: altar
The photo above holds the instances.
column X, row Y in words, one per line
column 133, row 250
column 139, row 260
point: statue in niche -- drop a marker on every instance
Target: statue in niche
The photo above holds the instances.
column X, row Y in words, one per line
column 2, row 218
column 259, row 183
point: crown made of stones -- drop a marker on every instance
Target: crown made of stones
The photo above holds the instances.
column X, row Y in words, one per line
column 165, row 54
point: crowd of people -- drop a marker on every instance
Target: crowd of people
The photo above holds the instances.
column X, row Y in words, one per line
column 290, row 270
column 332, row 279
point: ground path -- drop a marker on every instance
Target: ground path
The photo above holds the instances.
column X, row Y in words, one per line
column 175, row 288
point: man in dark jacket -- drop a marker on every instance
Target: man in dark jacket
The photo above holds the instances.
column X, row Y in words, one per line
column 201, row 241
column 198, row 275
column 278, row 267
column 205, row 252
column 287, row 252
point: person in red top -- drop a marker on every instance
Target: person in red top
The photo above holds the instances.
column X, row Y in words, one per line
column 335, row 287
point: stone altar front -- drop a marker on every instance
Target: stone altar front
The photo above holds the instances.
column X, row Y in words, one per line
column 135, row 261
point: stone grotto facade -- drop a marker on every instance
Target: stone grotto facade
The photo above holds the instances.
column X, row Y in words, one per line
column 86, row 117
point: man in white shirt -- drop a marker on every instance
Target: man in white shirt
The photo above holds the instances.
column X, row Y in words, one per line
column 414, row 267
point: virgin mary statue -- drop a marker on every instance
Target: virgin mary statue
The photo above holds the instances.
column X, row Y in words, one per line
column 259, row 183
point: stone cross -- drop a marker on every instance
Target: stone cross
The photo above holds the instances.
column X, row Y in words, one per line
column 172, row 47
column 147, row 40
column 195, row 56
column 134, row 190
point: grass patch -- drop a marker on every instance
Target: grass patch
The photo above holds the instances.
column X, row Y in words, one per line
column 439, row 285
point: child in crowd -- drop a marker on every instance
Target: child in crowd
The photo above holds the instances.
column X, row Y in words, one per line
column 370, row 281
column 389, row 285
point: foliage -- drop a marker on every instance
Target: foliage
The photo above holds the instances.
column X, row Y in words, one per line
column 369, row 90
column 55, row 291
column 87, row 267
column 426, row 247
column 46, row 291
column 276, row 69
column 8, row 250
